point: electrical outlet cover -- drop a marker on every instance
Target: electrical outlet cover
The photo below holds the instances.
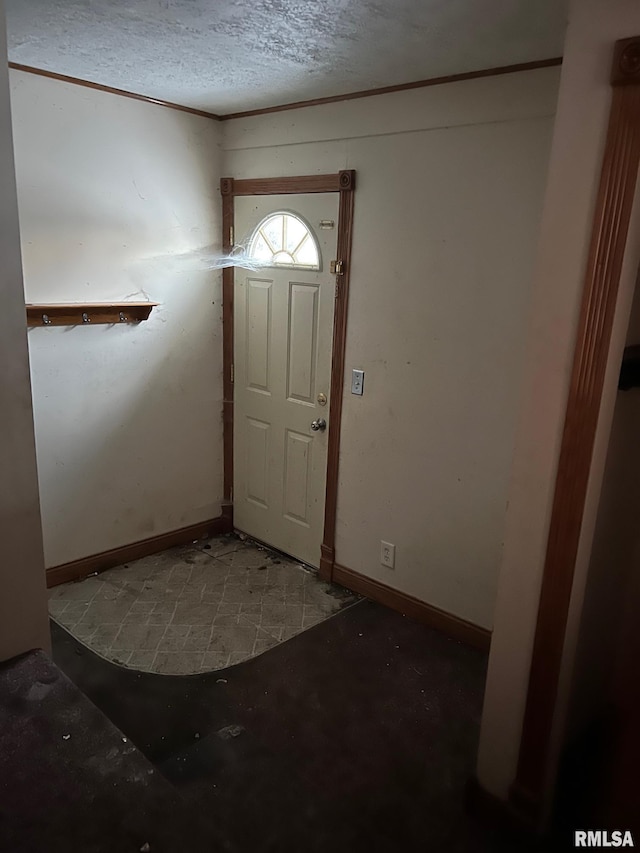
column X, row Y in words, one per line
column 357, row 382
column 388, row 554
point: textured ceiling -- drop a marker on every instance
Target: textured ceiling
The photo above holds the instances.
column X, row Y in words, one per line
column 230, row 55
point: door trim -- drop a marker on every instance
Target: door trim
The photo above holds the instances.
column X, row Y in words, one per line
column 606, row 251
column 343, row 182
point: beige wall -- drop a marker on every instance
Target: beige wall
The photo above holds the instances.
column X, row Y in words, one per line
column 578, row 142
column 128, row 418
column 23, row 612
column 450, row 182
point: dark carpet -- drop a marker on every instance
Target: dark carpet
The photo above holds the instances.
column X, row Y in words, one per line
column 357, row 735
column 70, row 781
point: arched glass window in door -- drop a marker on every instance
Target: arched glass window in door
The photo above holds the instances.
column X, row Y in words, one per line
column 283, row 239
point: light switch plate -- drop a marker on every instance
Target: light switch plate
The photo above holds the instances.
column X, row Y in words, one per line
column 357, row 382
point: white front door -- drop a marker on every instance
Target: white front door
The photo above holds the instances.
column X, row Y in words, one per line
column 282, row 370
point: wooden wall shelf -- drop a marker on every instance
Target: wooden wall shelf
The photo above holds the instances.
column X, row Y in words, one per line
column 87, row 314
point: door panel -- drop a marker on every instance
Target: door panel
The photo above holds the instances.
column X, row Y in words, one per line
column 297, row 480
column 257, row 450
column 282, row 362
column 258, row 334
column 303, row 324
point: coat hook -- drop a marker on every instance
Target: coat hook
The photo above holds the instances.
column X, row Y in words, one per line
column 123, row 319
column 85, row 317
column 46, row 320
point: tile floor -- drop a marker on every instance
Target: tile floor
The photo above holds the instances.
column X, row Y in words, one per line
column 195, row 609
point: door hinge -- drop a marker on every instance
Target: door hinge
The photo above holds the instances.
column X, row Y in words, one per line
column 337, row 268
column 231, row 372
column 231, row 236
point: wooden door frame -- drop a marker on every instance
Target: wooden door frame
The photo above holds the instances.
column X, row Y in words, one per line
column 344, row 183
column 606, row 251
